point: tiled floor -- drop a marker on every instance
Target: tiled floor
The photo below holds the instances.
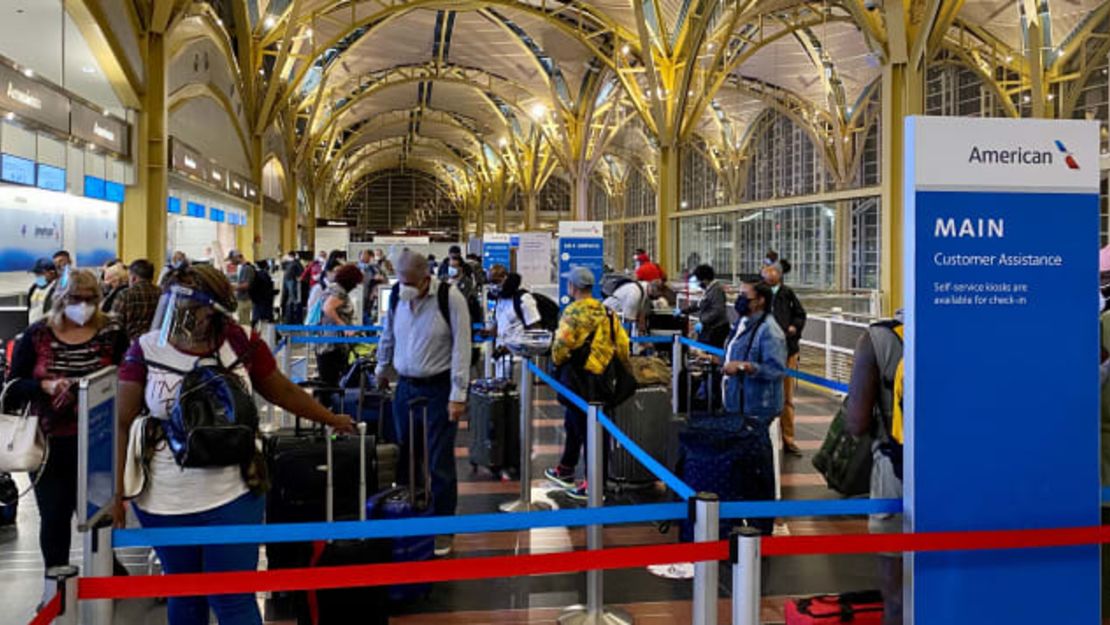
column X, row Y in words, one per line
column 537, row 599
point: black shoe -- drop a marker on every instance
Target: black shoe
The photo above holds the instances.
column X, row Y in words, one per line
column 792, row 449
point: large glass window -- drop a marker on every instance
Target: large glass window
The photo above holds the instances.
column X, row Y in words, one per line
column 866, row 244
column 638, row 235
column 699, row 179
column 708, row 240
column 784, row 161
column 804, row 234
column 640, row 196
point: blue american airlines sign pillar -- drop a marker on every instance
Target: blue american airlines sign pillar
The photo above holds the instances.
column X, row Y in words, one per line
column 1002, row 351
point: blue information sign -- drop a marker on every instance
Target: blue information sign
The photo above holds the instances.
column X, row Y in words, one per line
column 496, row 250
column 1002, row 412
column 581, row 244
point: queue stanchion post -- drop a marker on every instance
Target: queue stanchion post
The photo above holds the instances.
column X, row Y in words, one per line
column 707, row 523
column 269, row 337
column 66, row 578
column 746, row 576
column 594, row 612
column 99, row 562
column 527, row 388
column 676, row 371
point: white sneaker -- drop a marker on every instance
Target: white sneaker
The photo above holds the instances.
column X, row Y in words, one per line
column 444, row 545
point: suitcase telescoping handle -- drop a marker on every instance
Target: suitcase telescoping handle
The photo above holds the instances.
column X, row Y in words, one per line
column 330, row 493
column 362, row 397
column 420, row 403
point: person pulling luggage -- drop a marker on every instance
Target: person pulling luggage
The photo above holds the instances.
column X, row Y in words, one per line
column 182, row 475
column 426, row 346
column 755, row 364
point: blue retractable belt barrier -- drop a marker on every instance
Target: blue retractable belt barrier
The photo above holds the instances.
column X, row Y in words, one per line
column 709, row 349
column 326, row 340
column 280, row 346
column 559, row 388
column 653, row 340
column 819, row 507
column 651, row 464
column 395, row 528
column 839, row 387
column 318, row 329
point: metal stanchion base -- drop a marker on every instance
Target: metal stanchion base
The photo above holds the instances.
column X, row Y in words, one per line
column 523, row 506
column 580, row 615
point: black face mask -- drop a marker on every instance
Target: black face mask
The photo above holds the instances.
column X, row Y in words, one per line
column 743, row 305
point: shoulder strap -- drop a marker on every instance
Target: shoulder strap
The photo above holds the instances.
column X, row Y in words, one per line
column 394, row 291
column 518, row 304
column 443, row 296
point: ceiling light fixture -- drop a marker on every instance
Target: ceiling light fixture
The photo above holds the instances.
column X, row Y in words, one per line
column 539, row 111
column 308, row 33
column 502, row 142
column 88, row 69
column 9, row 116
column 269, row 22
column 626, row 49
column 29, row 73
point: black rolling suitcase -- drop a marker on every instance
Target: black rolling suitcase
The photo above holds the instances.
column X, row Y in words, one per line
column 296, row 460
column 494, row 412
column 335, row 606
column 646, row 419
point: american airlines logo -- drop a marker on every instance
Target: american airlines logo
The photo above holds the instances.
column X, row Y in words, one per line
column 1021, row 156
column 23, row 97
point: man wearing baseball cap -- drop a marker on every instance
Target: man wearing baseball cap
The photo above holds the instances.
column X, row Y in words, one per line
column 577, row 358
column 41, row 296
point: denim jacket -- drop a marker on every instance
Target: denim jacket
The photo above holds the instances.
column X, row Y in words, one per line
column 759, row 393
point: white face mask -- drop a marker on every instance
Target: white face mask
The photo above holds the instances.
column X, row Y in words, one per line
column 80, row 313
column 408, row 293
column 695, row 286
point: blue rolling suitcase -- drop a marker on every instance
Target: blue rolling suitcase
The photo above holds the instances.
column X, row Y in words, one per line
column 731, row 457
column 406, row 502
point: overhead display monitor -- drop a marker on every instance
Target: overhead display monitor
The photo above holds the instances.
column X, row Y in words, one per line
column 114, row 192
column 173, row 205
column 217, row 215
column 51, row 178
column 194, row 209
column 17, row 170
column 95, row 188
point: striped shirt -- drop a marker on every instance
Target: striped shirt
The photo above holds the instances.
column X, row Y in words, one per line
column 39, row 356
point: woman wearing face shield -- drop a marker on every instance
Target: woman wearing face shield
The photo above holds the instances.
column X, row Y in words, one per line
column 74, row 340
column 195, row 321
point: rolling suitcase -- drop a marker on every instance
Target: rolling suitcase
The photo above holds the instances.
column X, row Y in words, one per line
column 646, row 419
column 297, row 460
column 494, row 413
column 379, row 412
column 406, row 502
column 334, row 606
column 731, row 457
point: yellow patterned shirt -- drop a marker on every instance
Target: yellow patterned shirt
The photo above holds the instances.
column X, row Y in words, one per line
column 575, row 326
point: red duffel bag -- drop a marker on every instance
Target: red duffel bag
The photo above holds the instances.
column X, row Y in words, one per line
column 857, row 608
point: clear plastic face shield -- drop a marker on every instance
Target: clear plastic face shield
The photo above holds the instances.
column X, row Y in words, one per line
column 188, row 317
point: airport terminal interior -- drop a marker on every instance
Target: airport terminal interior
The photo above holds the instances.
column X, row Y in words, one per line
column 277, row 199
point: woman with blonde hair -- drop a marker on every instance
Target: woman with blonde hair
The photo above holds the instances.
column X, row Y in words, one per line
column 116, row 280
column 74, row 340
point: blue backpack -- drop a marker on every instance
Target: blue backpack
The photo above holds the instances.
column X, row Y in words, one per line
column 214, row 421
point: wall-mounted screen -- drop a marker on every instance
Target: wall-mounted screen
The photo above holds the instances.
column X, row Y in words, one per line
column 17, row 170
column 194, row 209
column 173, row 205
column 114, row 192
column 217, row 215
column 51, row 178
column 94, row 187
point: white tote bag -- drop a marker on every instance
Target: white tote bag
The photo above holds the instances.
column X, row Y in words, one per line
column 22, row 443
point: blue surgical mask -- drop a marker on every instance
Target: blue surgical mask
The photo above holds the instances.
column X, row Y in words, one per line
column 40, row 281
column 452, row 272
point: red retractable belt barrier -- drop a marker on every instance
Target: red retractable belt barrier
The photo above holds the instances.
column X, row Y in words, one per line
column 570, row 562
column 49, row 612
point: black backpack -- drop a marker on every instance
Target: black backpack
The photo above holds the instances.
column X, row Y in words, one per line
column 214, row 421
column 548, row 309
column 261, row 289
column 610, row 282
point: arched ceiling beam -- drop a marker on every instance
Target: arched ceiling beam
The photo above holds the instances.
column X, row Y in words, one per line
column 742, row 45
column 210, row 30
column 204, row 90
column 478, row 79
column 96, row 28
